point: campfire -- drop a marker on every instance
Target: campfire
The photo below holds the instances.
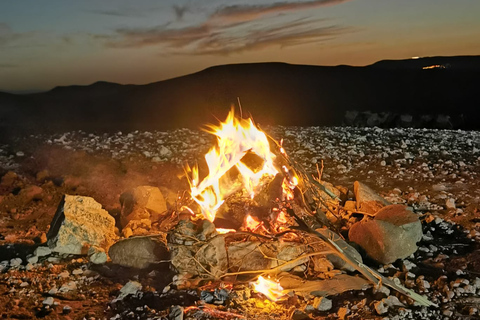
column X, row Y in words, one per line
column 252, row 220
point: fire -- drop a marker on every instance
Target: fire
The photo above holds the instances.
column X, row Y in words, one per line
column 235, row 138
column 251, row 223
column 271, row 289
column 224, row 231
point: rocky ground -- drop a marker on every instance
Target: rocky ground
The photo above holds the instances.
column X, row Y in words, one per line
column 433, row 171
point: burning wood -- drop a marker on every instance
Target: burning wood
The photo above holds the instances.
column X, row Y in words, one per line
column 231, row 181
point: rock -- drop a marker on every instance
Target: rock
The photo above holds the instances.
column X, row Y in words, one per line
column 97, row 255
column 67, row 309
column 9, row 179
column 137, row 227
column 450, row 204
column 299, row 315
column 144, row 202
column 368, row 200
column 380, row 307
column 32, row 259
column 132, row 287
column 138, row 252
column 42, row 251
column 15, row 262
column 176, row 313
column 391, row 235
column 42, row 175
column 322, row 304
column 69, row 286
column 31, row 193
column 79, row 223
column 393, row 301
column 48, row 301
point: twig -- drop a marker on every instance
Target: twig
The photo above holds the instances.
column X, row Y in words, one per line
column 277, row 268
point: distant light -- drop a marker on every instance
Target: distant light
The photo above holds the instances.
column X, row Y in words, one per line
column 415, row 58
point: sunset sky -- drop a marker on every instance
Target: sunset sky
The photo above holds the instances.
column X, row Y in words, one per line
column 48, row 43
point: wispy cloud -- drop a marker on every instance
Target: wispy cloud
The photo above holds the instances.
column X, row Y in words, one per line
column 121, row 12
column 234, row 29
column 180, row 11
column 7, row 36
column 252, row 12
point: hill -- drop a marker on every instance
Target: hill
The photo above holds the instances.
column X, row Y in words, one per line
column 274, row 93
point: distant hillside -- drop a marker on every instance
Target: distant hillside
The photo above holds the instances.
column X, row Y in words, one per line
column 274, row 93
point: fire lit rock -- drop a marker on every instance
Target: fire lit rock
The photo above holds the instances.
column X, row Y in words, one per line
column 138, row 252
column 79, row 223
column 368, row 200
column 144, row 202
column 391, row 235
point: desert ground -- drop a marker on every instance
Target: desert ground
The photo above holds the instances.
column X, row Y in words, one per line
column 434, row 172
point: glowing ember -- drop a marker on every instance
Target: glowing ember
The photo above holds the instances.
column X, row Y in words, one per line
column 223, row 231
column 251, row 223
column 271, row 289
column 235, row 138
column 282, row 218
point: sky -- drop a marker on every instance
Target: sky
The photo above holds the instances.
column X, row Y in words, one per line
column 51, row 43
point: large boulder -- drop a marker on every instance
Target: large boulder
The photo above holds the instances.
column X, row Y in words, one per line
column 393, row 234
column 144, row 202
column 139, row 252
column 79, row 223
column 368, row 201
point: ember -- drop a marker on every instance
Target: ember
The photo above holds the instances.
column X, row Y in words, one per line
column 271, row 289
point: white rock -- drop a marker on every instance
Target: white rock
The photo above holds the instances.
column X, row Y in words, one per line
column 132, row 287
column 42, row 251
column 48, row 301
column 15, row 262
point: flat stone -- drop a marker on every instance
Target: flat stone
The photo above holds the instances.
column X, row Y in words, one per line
column 130, row 288
column 42, row 251
column 97, row 255
column 144, row 202
column 48, row 301
column 138, row 252
column 391, row 235
column 322, row 304
column 79, row 223
column 368, row 200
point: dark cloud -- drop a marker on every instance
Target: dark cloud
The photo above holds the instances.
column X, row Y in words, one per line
column 252, row 12
column 231, row 33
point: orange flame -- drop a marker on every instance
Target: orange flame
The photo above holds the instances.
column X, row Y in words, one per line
column 271, row 289
column 224, row 231
column 235, row 137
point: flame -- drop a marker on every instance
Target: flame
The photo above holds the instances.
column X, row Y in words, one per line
column 251, row 223
column 235, row 137
column 224, row 231
column 271, row 289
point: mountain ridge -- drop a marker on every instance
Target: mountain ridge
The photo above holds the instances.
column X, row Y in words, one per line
column 274, row 93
